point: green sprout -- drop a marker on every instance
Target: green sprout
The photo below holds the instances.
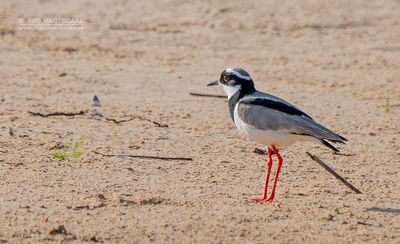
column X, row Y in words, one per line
column 63, row 154
column 60, row 155
column 386, row 106
column 77, row 152
column 354, row 93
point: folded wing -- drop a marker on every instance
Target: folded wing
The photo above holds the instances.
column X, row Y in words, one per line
column 278, row 115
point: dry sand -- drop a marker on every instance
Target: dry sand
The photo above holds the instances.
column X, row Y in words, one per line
column 337, row 60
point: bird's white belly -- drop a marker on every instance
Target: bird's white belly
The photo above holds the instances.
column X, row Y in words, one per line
column 278, row 138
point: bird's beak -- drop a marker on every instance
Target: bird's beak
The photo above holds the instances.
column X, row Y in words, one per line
column 213, row 83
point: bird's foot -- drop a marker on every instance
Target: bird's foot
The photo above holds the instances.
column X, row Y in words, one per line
column 260, row 200
column 269, row 199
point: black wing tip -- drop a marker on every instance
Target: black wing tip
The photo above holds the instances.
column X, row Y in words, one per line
column 341, row 141
column 341, row 137
column 330, row 145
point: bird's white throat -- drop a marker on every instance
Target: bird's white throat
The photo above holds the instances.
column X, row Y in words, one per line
column 230, row 90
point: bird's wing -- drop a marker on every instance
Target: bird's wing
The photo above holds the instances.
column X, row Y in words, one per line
column 275, row 115
column 276, row 102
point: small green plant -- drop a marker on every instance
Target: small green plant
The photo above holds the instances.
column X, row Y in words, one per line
column 77, row 152
column 354, row 94
column 60, row 155
column 386, row 106
column 63, row 154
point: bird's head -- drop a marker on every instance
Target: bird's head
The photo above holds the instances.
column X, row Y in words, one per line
column 234, row 80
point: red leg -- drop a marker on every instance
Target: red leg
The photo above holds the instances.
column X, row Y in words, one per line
column 278, row 170
column 269, row 166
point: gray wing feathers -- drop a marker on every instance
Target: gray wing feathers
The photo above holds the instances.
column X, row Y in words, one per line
column 270, row 119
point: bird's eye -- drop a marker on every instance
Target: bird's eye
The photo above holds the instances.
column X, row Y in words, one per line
column 225, row 78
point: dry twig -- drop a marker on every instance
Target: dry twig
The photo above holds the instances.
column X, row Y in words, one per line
column 119, row 121
column 261, row 151
column 71, row 114
column 137, row 117
column 330, row 170
column 57, row 114
column 142, row 156
column 206, row 95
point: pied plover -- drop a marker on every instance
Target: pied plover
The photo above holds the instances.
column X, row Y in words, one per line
column 269, row 120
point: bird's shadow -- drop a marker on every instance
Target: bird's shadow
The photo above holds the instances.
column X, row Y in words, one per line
column 384, row 210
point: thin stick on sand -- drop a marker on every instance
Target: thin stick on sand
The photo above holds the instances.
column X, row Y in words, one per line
column 142, row 156
column 69, row 114
column 330, row 170
column 260, row 151
column 206, row 95
column 136, row 117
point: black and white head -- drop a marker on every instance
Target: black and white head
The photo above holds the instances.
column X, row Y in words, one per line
column 233, row 81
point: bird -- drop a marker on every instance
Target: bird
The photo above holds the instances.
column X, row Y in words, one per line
column 270, row 121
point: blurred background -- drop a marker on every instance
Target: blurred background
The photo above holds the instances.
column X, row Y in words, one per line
column 338, row 60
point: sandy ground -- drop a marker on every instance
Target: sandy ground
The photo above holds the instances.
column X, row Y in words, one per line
column 337, row 60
